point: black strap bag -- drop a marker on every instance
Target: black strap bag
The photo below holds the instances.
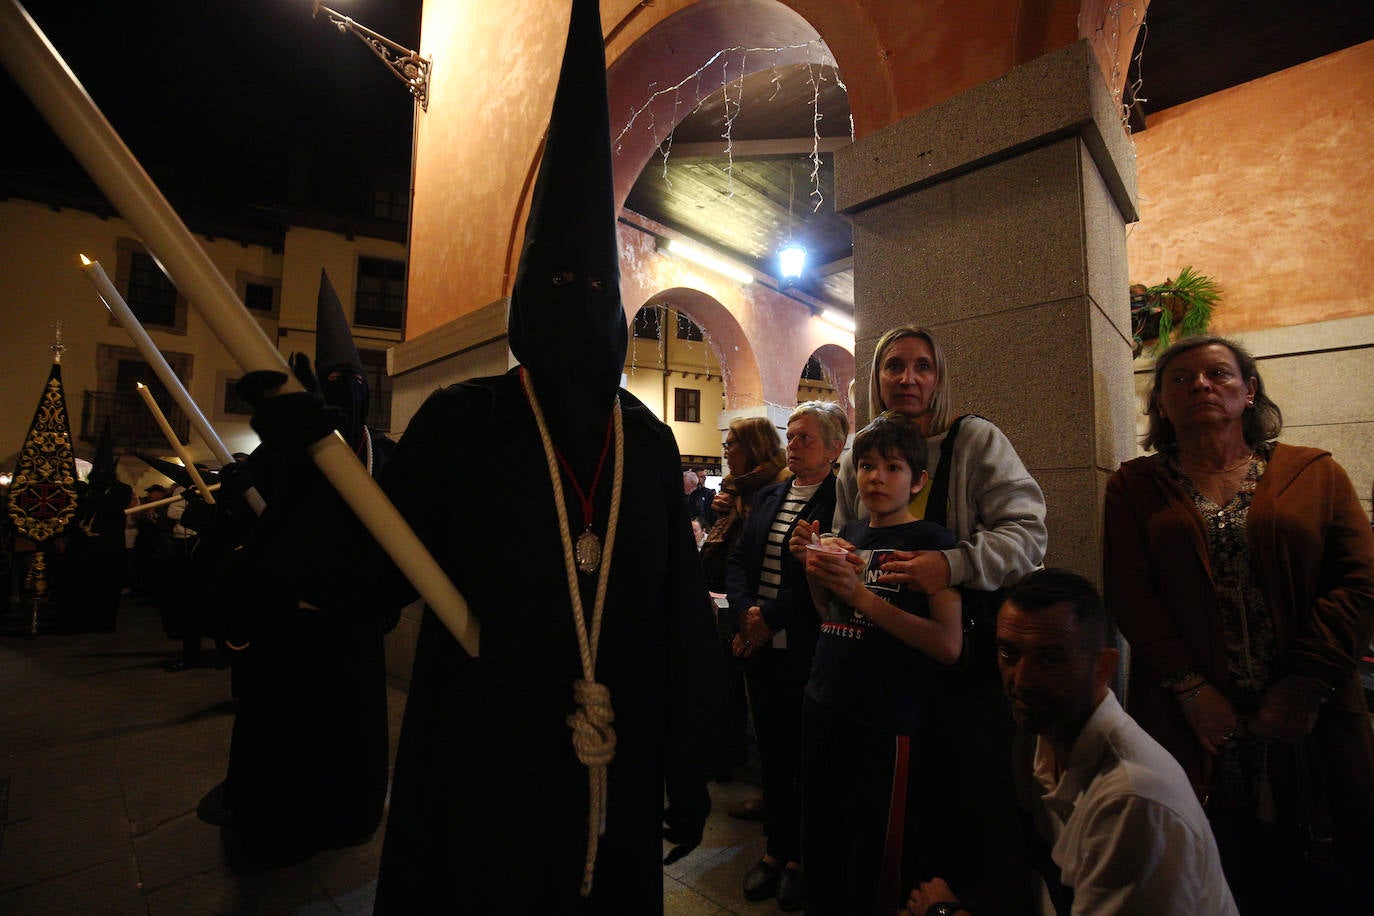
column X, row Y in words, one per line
column 979, row 654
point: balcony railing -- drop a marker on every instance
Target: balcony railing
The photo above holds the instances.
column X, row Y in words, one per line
column 131, row 424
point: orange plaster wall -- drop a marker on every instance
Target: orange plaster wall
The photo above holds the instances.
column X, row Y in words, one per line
column 495, row 67
column 1266, row 187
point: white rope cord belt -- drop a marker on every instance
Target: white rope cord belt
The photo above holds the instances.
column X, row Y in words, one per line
column 592, row 735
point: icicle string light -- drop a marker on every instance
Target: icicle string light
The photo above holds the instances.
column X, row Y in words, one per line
column 815, row 76
column 1109, row 33
column 815, row 82
column 1133, row 90
column 696, row 75
column 730, row 123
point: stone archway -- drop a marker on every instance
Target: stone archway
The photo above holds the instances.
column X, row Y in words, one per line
column 726, row 338
column 838, row 364
column 691, row 363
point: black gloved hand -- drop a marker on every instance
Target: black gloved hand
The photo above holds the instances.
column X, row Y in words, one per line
column 289, row 423
column 256, row 387
column 235, row 479
column 198, row 515
column 684, row 832
column 300, row 368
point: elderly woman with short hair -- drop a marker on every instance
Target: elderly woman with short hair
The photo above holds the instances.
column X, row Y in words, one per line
column 778, row 626
column 1241, row 570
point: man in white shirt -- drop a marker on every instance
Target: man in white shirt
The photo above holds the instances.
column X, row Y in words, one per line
column 1124, row 826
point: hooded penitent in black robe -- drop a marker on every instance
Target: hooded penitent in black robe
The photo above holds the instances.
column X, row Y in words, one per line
column 308, row 754
column 488, row 811
column 96, row 566
column 489, row 801
column 309, row 751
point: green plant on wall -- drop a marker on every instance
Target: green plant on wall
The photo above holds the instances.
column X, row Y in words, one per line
column 1184, row 304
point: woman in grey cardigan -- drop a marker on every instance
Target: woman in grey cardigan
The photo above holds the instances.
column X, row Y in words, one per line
column 997, row 514
column 996, row 509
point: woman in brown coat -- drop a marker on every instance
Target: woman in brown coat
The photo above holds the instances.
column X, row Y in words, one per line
column 1241, row 571
column 755, row 459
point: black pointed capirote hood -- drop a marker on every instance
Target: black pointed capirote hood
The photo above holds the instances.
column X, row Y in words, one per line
column 104, row 460
column 567, row 327
column 333, row 339
column 175, row 472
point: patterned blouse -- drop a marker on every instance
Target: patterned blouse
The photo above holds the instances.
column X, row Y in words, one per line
column 1251, row 649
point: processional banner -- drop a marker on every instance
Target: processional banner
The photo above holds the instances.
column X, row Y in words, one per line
column 43, row 493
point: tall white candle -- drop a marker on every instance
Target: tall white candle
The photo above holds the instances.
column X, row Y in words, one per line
column 153, row 356
column 55, row 91
column 177, row 445
column 165, row 501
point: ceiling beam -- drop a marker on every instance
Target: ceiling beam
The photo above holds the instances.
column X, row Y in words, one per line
column 756, row 149
column 834, row 267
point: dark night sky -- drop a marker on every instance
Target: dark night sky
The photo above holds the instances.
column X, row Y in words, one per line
column 229, row 105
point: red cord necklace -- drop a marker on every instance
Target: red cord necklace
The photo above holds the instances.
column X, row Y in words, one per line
column 588, row 550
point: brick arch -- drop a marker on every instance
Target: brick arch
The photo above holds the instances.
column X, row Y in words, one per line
column 839, row 362
column 728, row 341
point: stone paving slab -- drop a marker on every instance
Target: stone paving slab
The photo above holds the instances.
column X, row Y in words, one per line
column 110, row 889
column 106, row 756
column 58, row 842
column 178, row 849
column 350, row 874
column 222, row 891
column 50, row 779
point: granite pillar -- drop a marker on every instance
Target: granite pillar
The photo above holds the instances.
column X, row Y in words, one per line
column 997, row 219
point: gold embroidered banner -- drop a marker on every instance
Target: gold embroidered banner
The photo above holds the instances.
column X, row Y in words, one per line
column 43, row 493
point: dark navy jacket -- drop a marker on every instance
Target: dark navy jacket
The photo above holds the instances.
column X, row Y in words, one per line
column 792, row 609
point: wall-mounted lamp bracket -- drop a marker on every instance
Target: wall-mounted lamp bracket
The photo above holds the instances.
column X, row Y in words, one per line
column 408, row 66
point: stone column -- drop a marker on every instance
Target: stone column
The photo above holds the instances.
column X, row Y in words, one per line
column 997, row 219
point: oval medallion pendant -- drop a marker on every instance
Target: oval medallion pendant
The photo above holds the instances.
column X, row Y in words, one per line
column 588, row 552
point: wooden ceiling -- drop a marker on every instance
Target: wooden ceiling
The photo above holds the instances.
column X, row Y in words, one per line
column 746, row 203
column 751, row 167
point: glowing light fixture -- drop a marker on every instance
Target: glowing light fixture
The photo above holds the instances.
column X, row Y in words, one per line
column 707, row 259
column 838, row 319
column 791, row 256
column 791, row 261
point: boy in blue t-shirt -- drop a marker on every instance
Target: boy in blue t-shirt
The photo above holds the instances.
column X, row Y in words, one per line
column 879, row 644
